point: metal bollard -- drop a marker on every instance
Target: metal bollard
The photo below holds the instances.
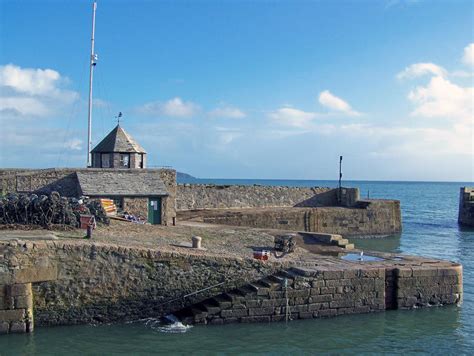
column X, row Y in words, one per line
column 89, row 231
column 196, row 241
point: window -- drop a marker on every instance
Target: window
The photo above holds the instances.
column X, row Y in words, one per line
column 105, row 159
column 125, row 160
column 118, row 201
column 141, row 160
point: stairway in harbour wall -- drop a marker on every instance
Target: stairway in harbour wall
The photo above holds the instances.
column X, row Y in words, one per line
column 293, row 294
column 325, row 291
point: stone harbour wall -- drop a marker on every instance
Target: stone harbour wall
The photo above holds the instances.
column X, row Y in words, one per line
column 210, row 196
column 318, row 292
column 466, row 206
column 16, row 308
column 98, row 283
column 77, row 282
column 377, row 218
column 62, row 180
column 168, row 204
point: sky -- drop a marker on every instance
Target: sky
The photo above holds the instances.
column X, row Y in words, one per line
column 245, row 89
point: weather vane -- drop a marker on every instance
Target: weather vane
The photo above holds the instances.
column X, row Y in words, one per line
column 118, row 117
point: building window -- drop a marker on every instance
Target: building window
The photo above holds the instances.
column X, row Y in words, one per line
column 125, row 160
column 105, row 159
column 118, row 203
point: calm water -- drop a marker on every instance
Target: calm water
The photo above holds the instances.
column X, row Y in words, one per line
column 429, row 228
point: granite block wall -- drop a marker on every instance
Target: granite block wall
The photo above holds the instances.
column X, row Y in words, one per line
column 16, row 308
column 319, row 292
column 209, row 196
column 466, row 206
column 377, row 218
column 77, row 282
column 98, row 283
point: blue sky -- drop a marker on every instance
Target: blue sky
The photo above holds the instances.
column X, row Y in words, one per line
column 246, row 89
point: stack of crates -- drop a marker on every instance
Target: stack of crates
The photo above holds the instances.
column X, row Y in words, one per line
column 109, row 206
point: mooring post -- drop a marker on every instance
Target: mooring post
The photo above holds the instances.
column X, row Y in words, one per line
column 196, row 241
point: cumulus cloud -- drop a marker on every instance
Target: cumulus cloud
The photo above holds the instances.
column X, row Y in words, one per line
column 468, row 57
column 442, row 98
column 292, row 117
column 32, row 92
column 29, row 81
column 175, row 107
column 227, row 112
column 334, row 103
column 421, row 69
column 23, row 106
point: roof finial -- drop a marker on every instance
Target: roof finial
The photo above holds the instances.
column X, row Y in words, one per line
column 118, row 117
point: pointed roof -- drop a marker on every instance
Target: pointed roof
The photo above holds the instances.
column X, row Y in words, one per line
column 118, row 141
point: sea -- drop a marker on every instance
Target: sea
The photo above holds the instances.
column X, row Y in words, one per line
column 430, row 228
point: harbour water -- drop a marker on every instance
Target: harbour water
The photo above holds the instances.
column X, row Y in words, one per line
column 430, row 228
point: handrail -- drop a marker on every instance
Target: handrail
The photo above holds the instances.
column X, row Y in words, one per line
column 193, row 293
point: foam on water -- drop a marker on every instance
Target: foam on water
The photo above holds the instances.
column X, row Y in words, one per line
column 169, row 324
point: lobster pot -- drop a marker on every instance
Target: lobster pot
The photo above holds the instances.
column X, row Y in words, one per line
column 262, row 255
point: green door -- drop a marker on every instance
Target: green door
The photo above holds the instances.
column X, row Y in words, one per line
column 154, row 211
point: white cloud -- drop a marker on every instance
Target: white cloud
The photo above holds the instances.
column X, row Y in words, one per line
column 179, row 108
column 29, row 81
column 411, row 141
column 175, row 107
column 461, row 74
column 227, row 112
column 23, row 106
column 468, row 57
column 421, row 69
column 292, row 117
column 227, row 135
column 442, row 98
column 74, row 144
column 332, row 102
column 32, row 92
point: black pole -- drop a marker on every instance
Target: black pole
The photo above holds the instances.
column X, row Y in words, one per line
column 340, row 179
column 340, row 171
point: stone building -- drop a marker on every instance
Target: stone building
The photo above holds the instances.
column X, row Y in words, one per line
column 118, row 150
column 118, row 172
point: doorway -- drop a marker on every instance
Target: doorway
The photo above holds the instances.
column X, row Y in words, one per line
column 154, row 211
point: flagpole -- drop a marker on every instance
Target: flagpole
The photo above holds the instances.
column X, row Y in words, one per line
column 92, row 63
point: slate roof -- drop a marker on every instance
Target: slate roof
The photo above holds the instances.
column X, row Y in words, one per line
column 118, row 141
column 121, row 183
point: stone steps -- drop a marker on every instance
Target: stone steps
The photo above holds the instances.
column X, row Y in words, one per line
column 249, row 303
column 330, row 239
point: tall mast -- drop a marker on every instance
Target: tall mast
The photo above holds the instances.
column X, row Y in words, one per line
column 93, row 62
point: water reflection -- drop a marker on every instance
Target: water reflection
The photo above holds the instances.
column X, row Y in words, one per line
column 383, row 244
